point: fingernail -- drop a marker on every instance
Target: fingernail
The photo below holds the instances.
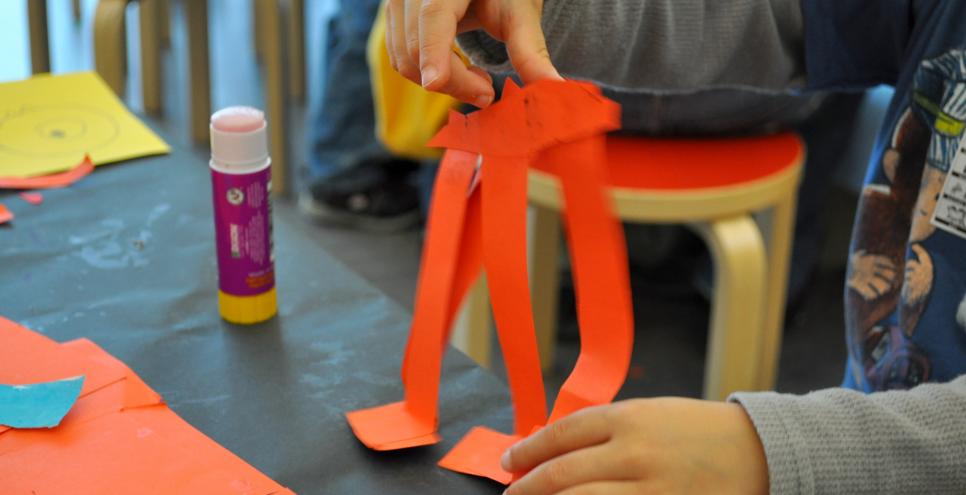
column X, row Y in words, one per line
column 429, row 75
column 482, row 100
column 505, row 460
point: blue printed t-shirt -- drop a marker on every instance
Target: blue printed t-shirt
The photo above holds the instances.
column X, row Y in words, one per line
column 905, row 295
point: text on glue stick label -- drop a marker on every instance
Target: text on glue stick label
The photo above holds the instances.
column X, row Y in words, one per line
column 243, row 232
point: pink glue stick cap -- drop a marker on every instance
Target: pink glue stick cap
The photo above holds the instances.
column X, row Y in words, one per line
column 239, row 140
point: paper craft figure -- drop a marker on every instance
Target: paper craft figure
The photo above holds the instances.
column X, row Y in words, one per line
column 478, row 221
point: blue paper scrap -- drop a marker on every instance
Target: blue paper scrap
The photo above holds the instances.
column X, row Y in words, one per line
column 38, row 405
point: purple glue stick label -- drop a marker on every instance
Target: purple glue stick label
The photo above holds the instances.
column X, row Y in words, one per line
column 243, row 232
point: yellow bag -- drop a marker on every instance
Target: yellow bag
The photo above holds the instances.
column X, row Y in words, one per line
column 407, row 115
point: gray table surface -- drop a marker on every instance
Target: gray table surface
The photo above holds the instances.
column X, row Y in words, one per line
column 125, row 258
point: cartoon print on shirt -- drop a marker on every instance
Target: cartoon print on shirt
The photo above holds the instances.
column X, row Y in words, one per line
column 884, row 313
column 877, row 266
column 961, row 314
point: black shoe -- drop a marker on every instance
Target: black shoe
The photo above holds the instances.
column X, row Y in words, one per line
column 374, row 196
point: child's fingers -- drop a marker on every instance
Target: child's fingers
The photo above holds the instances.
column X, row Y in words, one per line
column 412, row 9
column 582, row 429
column 437, row 33
column 469, row 84
column 577, row 468
column 526, row 45
column 469, row 23
column 397, row 29
column 388, row 41
column 604, row 488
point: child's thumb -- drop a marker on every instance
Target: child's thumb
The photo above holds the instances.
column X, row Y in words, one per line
column 527, row 47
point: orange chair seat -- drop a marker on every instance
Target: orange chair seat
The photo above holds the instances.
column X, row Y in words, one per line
column 687, row 164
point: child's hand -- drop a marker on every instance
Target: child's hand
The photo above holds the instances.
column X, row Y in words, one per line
column 420, row 36
column 643, row 446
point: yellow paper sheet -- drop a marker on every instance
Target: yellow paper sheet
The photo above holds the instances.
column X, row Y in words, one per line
column 49, row 122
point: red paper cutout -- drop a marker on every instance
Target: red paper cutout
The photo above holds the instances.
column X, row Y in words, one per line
column 118, row 438
column 53, row 181
column 32, row 197
column 561, row 125
column 5, row 214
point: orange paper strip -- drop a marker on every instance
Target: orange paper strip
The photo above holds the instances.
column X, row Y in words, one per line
column 53, row 181
column 413, row 421
column 5, row 214
column 505, row 259
column 598, row 256
column 478, row 454
column 32, row 197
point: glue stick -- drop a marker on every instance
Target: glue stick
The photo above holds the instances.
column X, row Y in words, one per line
column 241, row 182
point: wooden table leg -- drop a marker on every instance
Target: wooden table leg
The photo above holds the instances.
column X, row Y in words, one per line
column 151, row 55
column 200, row 99
column 274, row 92
column 296, row 49
column 39, row 45
column 110, row 45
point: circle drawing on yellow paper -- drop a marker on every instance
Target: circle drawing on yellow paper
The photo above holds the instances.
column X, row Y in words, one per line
column 42, row 131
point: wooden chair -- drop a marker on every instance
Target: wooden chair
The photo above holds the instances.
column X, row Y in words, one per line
column 714, row 186
column 110, row 47
column 39, row 40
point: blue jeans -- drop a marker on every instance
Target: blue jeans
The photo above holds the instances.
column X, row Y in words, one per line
column 342, row 126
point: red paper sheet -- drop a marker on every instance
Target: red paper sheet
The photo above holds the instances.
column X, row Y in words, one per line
column 118, row 438
column 53, row 181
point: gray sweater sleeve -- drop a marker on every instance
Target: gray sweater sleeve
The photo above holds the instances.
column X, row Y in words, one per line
column 639, row 45
column 843, row 441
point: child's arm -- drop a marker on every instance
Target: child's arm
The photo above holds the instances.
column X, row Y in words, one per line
column 843, row 441
column 831, row 441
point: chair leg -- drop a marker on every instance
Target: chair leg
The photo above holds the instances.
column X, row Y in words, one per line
column 735, row 337
column 544, row 247
column 258, row 28
column 471, row 332
column 39, row 43
column 75, row 10
column 779, row 252
column 296, row 49
column 110, row 44
column 164, row 22
column 150, row 55
column 197, row 14
column 275, row 92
